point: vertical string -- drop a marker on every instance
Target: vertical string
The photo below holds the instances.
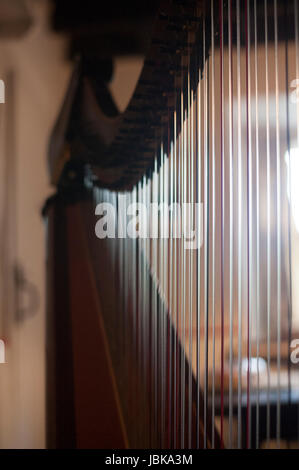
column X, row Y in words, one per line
column 222, row 183
column 192, row 201
column 206, row 238
column 278, row 226
column 165, row 291
column 140, row 312
column 190, row 224
column 171, row 319
column 162, row 310
column 240, row 231
column 183, row 278
column 257, row 163
column 213, row 217
column 125, row 296
column 296, row 20
column 268, row 221
column 148, row 306
column 180, row 272
column 150, row 313
column 180, row 275
column 175, row 290
column 135, row 306
column 185, row 265
column 289, row 316
column 144, row 313
column 155, row 326
column 249, row 219
column 231, row 220
column 153, row 308
column 198, row 316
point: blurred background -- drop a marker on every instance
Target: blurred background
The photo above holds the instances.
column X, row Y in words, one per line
column 35, row 71
column 35, row 68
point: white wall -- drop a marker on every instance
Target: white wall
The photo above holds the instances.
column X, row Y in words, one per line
column 41, row 74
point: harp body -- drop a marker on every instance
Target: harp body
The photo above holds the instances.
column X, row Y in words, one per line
column 173, row 241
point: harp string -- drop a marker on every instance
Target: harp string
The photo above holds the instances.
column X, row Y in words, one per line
column 231, row 219
column 190, row 221
column 257, row 162
column 249, row 219
column 174, row 277
column 183, row 278
column 213, row 260
column 222, row 215
column 278, row 225
column 172, row 324
column 206, row 238
column 240, row 229
column 269, row 278
column 296, row 24
column 199, row 294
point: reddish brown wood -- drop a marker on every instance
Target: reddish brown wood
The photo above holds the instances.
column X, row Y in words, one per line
column 83, row 408
column 59, row 388
column 98, row 415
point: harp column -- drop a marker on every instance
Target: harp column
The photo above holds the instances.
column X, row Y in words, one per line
column 83, row 408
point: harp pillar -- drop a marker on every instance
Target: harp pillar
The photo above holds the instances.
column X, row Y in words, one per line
column 83, row 409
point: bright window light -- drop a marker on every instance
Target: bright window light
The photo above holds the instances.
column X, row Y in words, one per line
column 257, row 365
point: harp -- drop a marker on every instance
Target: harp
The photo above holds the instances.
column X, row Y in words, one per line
column 173, row 235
